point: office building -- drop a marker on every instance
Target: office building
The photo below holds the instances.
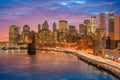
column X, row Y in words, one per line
column 25, row 33
column 45, row 25
column 39, row 28
column 111, row 25
column 54, row 27
column 62, row 25
column 81, row 29
column 14, row 33
column 102, row 23
column 93, row 24
column 116, row 28
column 87, row 26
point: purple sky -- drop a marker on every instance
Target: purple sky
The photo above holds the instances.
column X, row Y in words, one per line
column 34, row 12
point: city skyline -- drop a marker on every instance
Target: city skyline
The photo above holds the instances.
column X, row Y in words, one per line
column 16, row 12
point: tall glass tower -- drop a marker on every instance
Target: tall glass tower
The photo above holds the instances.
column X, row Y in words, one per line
column 111, row 24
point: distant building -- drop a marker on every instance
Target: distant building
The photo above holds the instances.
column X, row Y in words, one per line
column 25, row 33
column 72, row 36
column 54, row 27
column 14, row 33
column 81, row 29
column 54, row 36
column 72, row 28
column 62, row 25
column 26, row 28
column 45, row 26
column 39, row 28
column 111, row 25
column 116, row 33
column 108, row 43
column 87, row 26
column 102, row 23
column 93, row 24
column 44, row 35
column 117, row 28
column 102, row 30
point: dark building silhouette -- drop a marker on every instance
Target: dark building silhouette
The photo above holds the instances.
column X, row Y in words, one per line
column 54, row 27
column 32, row 45
column 111, row 24
column 45, row 25
column 108, row 43
column 39, row 28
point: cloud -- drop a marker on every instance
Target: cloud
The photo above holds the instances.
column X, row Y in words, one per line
column 33, row 12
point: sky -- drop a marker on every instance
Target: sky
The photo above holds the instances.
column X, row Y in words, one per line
column 34, row 12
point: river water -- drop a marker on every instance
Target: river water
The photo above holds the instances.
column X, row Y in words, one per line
column 17, row 65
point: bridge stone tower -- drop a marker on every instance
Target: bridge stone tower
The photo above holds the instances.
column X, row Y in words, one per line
column 32, row 45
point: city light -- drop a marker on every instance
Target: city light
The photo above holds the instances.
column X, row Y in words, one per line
column 59, row 40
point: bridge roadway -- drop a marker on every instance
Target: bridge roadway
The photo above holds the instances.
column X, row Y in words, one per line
column 109, row 65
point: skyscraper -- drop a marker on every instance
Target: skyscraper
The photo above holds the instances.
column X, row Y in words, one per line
column 102, row 30
column 39, row 28
column 94, row 24
column 45, row 25
column 25, row 33
column 102, row 23
column 86, row 22
column 54, row 26
column 14, row 33
column 111, row 24
column 72, row 36
column 54, row 36
column 81, row 29
column 72, row 28
column 26, row 28
column 117, row 28
column 87, row 26
column 62, row 25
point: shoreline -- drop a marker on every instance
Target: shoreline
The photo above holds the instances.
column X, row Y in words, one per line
column 97, row 61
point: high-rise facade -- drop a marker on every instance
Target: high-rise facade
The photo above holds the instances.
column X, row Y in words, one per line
column 93, row 24
column 25, row 33
column 62, row 25
column 45, row 26
column 26, row 28
column 116, row 28
column 102, row 23
column 87, row 26
column 14, row 33
column 102, row 30
column 111, row 25
column 54, row 37
column 81, row 29
column 87, row 23
column 39, row 28
column 54, row 26
column 72, row 28
column 72, row 36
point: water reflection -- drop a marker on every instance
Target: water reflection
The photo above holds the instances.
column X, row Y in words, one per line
column 47, row 66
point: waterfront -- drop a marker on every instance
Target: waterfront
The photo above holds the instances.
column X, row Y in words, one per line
column 47, row 66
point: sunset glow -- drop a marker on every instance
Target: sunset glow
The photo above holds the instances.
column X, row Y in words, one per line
column 34, row 12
